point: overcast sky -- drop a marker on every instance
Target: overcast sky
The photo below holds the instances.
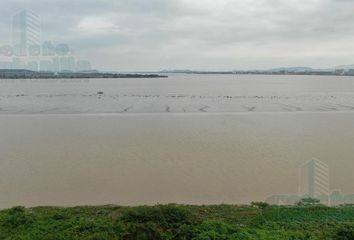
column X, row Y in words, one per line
column 196, row 34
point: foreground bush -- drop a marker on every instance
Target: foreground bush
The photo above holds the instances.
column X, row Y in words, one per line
column 170, row 222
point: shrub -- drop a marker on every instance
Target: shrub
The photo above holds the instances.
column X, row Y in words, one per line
column 345, row 233
column 142, row 231
column 165, row 216
column 16, row 217
column 309, row 202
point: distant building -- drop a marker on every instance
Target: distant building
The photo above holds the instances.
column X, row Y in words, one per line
column 26, row 32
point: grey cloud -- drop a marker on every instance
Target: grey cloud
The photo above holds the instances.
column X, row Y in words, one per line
column 225, row 34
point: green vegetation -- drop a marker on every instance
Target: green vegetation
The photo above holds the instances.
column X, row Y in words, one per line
column 225, row 222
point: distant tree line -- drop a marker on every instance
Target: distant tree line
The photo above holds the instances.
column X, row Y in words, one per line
column 27, row 74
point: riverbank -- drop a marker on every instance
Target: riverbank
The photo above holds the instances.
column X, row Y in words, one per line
column 256, row 221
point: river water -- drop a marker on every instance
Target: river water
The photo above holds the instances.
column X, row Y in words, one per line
column 194, row 139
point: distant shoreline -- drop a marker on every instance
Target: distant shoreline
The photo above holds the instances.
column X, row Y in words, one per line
column 27, row 74
column 266, row 73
